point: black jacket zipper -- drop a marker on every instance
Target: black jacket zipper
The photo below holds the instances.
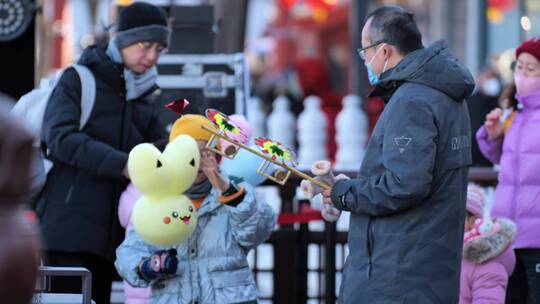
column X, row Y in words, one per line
column 369, row 245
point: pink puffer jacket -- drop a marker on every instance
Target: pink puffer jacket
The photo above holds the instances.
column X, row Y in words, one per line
column 488, row 261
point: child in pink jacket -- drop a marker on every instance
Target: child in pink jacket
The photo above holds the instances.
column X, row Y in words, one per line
column 127, row 201
column 488, row 258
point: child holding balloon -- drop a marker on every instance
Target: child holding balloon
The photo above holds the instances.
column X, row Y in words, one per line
column 211, row 265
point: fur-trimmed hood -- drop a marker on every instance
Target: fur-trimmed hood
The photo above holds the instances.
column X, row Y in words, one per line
column 489, row 246
column 488, row 261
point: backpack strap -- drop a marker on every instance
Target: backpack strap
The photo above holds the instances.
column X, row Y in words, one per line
column 88, row 93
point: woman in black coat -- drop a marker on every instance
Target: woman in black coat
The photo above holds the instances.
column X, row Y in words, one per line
column 78, row 206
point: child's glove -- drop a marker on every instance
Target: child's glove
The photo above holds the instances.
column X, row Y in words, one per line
column 323, row 171
column 161, row 263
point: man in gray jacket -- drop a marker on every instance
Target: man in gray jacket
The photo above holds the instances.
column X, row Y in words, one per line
column 408, row 202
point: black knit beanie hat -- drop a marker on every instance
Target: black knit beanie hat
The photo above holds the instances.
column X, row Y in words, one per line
column 142, row 22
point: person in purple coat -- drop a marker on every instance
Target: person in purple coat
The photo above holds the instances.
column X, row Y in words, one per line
column 510, row 139
column 488, row 258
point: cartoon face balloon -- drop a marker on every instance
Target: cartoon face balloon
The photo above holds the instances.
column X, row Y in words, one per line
column 163, row 216
column 164, row 223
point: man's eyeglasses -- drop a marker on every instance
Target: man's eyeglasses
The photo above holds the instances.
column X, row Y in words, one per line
column 362, row 51
column 149, row 46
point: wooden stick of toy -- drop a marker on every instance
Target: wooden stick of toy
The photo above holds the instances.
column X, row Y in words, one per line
column 317, row 182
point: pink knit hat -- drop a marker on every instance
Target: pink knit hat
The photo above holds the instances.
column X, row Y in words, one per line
column 475, row 200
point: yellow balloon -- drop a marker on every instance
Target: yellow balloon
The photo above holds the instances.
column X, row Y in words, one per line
column 165, row 223
column 163, row 216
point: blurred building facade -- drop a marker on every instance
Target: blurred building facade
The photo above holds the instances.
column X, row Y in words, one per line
column 476, row 30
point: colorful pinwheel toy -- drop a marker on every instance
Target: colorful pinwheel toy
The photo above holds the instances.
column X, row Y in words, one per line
column 276, row 151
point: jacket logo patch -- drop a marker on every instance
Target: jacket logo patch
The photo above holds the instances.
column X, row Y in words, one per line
column 402, row 142
column 460, row 142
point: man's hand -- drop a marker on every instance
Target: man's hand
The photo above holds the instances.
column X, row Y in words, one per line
column 329, row 212
column 210, row 168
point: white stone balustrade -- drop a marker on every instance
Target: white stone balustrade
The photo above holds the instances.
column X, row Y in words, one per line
column 281, row 123
column 351, row 134
column 312, row 133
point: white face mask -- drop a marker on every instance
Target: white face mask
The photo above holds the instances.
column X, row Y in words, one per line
column 491, row 87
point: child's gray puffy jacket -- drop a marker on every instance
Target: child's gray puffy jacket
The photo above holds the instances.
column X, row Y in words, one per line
column 212, row 264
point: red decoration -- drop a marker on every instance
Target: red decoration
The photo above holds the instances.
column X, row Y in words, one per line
column 321, row 4
column 288, row 4
column 502, row 5
column 177, row 106
column 314, row 4
column 306, row 215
